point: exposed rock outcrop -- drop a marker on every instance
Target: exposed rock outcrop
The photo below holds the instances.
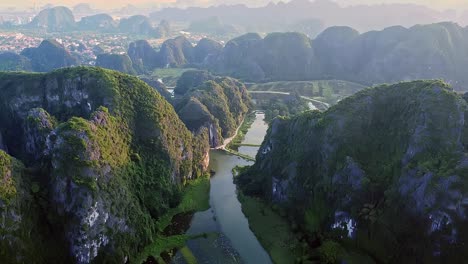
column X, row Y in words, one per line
column 110, row 167
column 37, row 127
column 386, row 166
column 217, row 104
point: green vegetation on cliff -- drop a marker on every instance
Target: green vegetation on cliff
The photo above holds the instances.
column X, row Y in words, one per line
column 218, row 104
column 373, row 178
column 112, row 168
column 9, row 169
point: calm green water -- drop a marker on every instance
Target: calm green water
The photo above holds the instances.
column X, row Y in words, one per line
column 254, row 136
column 237, row 243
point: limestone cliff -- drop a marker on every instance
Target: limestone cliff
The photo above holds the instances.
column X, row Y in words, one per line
column 217, row 104
column 105, row 156
column 388, row 167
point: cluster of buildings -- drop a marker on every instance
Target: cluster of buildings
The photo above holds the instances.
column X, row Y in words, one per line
column 16, row 42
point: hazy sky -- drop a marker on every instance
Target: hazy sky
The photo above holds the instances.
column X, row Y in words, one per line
column 439, row 4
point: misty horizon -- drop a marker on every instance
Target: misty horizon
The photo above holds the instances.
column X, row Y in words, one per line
column 117, row 4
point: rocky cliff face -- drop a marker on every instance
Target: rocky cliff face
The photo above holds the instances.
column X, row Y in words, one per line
column 217, row 104
column 105, row 155
column 387, row 166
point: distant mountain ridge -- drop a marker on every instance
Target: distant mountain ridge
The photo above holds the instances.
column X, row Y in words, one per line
column 434, row 51
column 361, row 17
column 62, row 19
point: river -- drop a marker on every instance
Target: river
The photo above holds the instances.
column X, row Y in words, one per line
column 254, row 136
column 236, row 242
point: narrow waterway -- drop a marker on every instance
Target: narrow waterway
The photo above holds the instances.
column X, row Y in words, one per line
column 254, row 136
column 236, row 242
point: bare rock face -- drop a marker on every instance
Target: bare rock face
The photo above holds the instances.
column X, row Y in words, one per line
column 77, row 184
column 196, row 116
column 387, row 164
column 38, row 126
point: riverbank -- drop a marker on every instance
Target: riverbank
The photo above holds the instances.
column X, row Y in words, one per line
column 234, row 242
column 272, row 230
column 236, row 142
column 195, row 198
